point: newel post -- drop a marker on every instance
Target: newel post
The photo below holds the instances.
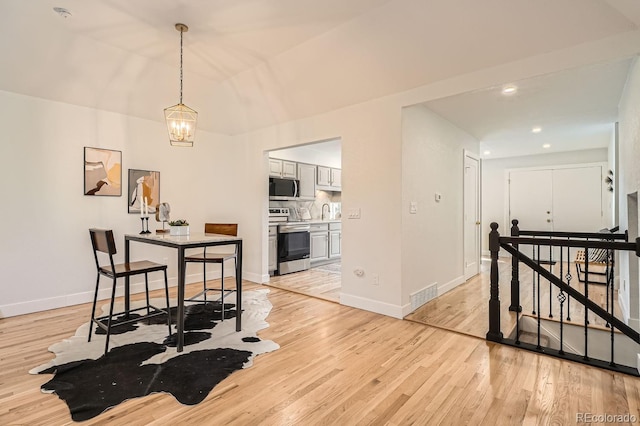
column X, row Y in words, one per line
column 515, row 272
column 494, row 334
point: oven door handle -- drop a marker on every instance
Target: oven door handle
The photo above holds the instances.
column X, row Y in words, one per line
column 294, row 228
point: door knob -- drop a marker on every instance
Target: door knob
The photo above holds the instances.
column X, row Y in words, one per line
column 548, row 220
column 548, row 212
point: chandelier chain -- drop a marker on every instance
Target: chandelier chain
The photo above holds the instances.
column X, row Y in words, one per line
column 181, row 31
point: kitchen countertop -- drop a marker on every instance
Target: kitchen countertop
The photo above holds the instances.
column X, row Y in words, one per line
column 311, row 222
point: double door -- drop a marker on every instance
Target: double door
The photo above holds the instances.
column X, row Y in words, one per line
column 561, row 199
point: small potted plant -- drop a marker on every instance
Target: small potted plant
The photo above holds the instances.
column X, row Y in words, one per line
column 179, row 227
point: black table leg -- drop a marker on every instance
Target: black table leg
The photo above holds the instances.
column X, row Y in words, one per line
column 127, row 292
column 180, row 307
column 239, row 286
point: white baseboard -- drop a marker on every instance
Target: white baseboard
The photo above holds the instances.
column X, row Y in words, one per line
column 371, row 305
column 442, row 289
column 137, row 286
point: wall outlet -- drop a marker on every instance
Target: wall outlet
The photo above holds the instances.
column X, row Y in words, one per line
column 165, row 260
column 376, row 279
column 413, row 207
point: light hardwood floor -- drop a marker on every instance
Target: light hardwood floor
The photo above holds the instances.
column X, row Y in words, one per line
column 465, row 309
column 314, row 282
column 336, row 366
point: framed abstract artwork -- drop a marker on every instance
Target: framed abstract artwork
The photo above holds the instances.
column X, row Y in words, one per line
column 143, row 184
column 102, row 172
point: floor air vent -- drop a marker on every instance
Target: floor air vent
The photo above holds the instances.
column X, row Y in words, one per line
column 421, row 297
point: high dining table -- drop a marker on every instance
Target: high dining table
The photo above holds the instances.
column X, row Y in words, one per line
column 182, row 243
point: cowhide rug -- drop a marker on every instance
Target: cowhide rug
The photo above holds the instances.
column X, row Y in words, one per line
column 142, row 360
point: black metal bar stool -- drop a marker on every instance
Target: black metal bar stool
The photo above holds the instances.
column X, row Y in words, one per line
column 209, row 257
column 102, row 241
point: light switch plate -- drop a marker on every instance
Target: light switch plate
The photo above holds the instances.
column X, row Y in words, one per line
column 438, row 197
column 354, row 213
column 413, row 207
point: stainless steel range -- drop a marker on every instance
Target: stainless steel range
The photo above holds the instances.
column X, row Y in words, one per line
column 294, row 247
column 294, row 242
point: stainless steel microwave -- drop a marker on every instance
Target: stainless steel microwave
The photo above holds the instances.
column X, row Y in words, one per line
column 284, row 188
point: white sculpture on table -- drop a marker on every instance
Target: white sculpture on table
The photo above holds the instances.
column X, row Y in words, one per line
column 163, row 215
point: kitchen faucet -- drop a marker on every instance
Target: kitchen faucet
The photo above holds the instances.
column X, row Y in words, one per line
column 325, row 204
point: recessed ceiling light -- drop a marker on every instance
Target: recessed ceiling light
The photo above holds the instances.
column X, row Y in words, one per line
column 62, row 12
column 487, row 152
column 509, row 90
column 546, row 145
column 536, row 129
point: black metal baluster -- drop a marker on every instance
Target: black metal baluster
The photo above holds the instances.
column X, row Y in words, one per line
column 515, row 272
column 568, row 277
column 586, row 310
column 550, row 292
column 611, row 253
column 533, row 282
column 539, row 346
column 561, row 299
column 606, row 272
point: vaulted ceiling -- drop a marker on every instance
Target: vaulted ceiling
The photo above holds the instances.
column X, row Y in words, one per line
column 254, row 63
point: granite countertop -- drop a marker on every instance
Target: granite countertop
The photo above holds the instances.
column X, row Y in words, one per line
column 310, row 222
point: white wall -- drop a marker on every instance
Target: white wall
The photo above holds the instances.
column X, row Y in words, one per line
column 629, row 182
column 494, row 191
column 46, row 259
column 220, row 178
column 432, row 239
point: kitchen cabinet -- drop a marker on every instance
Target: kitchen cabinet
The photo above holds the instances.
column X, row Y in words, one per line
column 307, row 176
column 326, row 242
column 319, row 242
column 273, row 248
column 329, row 179
column 283, row 168
column 324, row 176
column 335, row 240
column 336, row 178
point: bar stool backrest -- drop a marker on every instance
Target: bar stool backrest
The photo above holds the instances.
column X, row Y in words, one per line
column 102, row 241
column 221, row 228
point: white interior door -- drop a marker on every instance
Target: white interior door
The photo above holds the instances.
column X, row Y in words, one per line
column 577, row 199
column 471, row 216
column 530, row 200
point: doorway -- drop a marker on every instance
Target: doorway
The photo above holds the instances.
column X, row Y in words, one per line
column 632, row 286
column 471, row 232
column 316, row 169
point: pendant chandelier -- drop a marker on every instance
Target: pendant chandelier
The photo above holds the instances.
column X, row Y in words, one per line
column 181, row 120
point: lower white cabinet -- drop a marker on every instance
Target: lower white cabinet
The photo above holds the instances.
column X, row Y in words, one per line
column 326, row 242
column 335, row 243
column 273, row 248
column 319, row 246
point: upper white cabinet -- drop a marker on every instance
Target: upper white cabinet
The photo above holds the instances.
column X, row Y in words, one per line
column 336, row 178
column 289, row 169
column 329, row 178
column 275, row 167
column 307, row 176
column 283, row 168
column 324, row 176
column 311, row 177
